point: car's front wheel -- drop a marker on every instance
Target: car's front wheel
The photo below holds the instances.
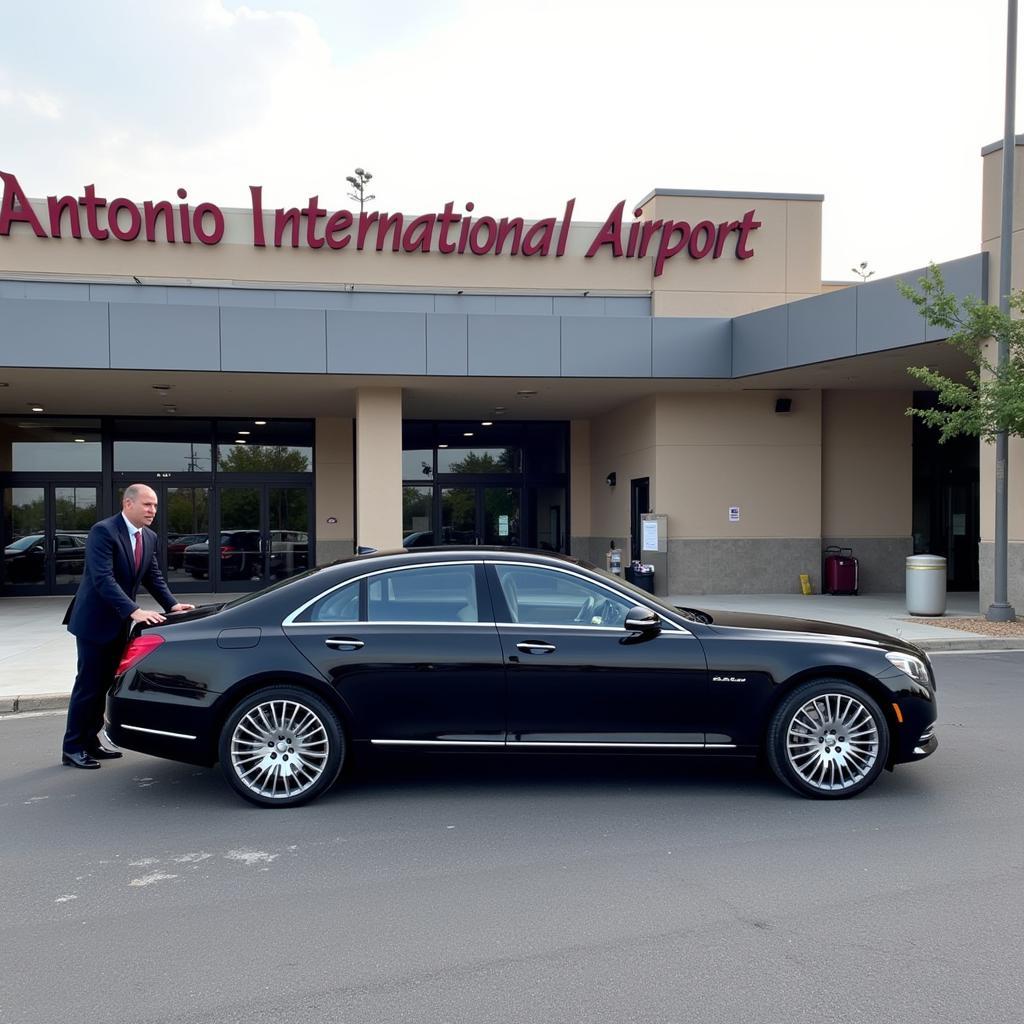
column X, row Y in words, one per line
column 828, row 740
column 281, row 746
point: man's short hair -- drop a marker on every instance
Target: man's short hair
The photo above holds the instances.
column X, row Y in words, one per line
column 133, row 492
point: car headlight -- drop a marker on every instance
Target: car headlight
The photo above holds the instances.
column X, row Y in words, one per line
column 911, row 666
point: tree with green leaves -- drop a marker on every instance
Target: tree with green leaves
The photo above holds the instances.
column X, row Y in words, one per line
column 991, row 398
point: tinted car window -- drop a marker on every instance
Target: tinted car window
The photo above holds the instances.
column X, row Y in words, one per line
column 548, row 597
column 431, row 593
column 341, row 605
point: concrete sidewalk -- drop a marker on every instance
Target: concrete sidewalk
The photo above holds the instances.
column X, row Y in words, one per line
column 37, row 654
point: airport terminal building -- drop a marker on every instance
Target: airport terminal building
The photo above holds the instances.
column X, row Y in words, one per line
column 296, row 382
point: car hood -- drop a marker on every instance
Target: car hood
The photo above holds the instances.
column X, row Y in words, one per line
column 786, row 624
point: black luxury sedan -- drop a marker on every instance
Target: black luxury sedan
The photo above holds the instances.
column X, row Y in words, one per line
column 479, row 649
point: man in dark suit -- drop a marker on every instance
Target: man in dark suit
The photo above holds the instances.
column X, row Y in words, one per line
column 120, row 554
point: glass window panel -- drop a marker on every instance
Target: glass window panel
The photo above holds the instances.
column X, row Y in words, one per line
column 546, row 448
column 240, row 557
column 458, row 515
column 441, row 593
column 548, row 597
column 75, row 512
column 501, row 516
column 418, row 464
column 549, row 518
column 45, row 445
column 186, row 511
column 462, row 461
column 162, row 457
column 417, row 516
column 24, row 535
column 262, row 458
column 288, row 514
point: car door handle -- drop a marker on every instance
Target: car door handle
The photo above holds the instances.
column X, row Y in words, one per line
column 343, row 643
column 535, row 647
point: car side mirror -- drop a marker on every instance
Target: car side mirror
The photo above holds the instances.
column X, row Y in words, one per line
column 643, row 620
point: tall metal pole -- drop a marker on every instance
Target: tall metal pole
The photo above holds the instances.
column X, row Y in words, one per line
column 1000, row 609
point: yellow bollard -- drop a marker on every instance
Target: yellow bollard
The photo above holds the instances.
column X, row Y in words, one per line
column 805, row 584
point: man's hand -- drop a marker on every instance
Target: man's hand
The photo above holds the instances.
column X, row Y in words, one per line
column 147, row 618
column 182, row 607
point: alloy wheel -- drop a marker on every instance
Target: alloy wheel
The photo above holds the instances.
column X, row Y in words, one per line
column 279, row 749
column 832, row 742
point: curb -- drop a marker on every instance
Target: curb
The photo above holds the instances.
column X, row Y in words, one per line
column 34, row 702
column 972, row 643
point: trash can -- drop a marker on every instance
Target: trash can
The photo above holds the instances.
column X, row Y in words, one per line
column 926, row 585
column 641, row 578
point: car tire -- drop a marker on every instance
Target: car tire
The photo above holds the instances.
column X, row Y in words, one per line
column 281, row 746
column 828, row 740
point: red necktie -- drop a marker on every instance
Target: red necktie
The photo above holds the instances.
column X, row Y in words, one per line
column 138, row 549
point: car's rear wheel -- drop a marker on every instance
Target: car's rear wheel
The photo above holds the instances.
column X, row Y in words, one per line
column 828, row 740
column 281, row 746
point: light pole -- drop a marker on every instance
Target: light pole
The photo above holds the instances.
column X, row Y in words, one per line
column 358, row 182
column 1000, row 609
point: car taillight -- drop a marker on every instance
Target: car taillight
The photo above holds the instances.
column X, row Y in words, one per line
column 226, row 550
column 142, row 645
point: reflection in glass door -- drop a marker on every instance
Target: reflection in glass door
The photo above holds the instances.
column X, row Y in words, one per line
column 458, row 516
column 45, row 528
column 500, row 510
column 263, row 536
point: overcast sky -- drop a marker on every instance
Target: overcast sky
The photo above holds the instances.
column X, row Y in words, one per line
column 882, row 105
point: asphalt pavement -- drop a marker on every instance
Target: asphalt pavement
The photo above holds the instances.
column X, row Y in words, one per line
column 539, row 889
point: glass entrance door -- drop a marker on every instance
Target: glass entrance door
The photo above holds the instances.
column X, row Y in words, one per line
column 481, row 514
column 44, row 532
column 263, row 535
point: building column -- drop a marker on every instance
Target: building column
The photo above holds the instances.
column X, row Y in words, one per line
column 378, row 474
column 334, row 530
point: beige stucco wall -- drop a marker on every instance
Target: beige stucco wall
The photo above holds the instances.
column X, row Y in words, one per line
column 378, row 468
column 715, row 451
column 580, row 482
column 785, row 265
column 623, row 442
column 867, row 464
column 334, row 480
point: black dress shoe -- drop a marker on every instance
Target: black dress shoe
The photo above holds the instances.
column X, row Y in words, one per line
column 102, row 753
column 78, row 759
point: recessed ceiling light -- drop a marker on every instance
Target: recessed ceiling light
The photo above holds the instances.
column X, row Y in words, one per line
column 467, row 433
column 442, row 446
column 500, row 408
column 162, row 388
column 244, row 432
column 260, row 423
column 79, row 440
column 240, row 440
column 36, row 408
column 526, row 393
column 487, row 423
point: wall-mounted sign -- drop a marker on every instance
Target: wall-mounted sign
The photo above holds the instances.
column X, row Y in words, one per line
column 502, row 526
column 734, row 513
column 649, row 535
column 314, row 227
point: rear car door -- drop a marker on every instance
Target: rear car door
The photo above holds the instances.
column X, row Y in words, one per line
column 578, row 678
column 413, row 652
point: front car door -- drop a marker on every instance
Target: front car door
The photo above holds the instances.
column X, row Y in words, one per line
column 578, row 678
column 413, row 652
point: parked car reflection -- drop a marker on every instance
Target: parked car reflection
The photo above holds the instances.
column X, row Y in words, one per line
column 241, row 556
column 25, row 558
column 176, row 547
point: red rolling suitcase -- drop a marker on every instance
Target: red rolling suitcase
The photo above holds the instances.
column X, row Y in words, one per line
column 841, row 571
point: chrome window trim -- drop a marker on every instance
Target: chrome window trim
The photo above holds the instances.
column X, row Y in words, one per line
column 584, row 579
column 589, row 743
column 438, row 743
column 289, row 620
column 360, row 624
column 159, row 732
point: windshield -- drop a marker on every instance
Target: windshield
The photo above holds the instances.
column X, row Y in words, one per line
column 24, row 543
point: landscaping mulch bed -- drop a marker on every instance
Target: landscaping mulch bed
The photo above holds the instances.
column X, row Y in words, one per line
column 973, row 625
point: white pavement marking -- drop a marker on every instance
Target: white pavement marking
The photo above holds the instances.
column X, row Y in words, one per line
column 66, row 898
column 33, row 714
column 154, row 876
column 144, row 862
column 250, row 857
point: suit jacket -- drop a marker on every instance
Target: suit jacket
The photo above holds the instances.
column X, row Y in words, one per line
column 106, row 594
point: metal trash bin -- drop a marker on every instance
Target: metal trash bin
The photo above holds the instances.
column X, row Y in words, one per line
column 643, row 580
column 926, row 585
